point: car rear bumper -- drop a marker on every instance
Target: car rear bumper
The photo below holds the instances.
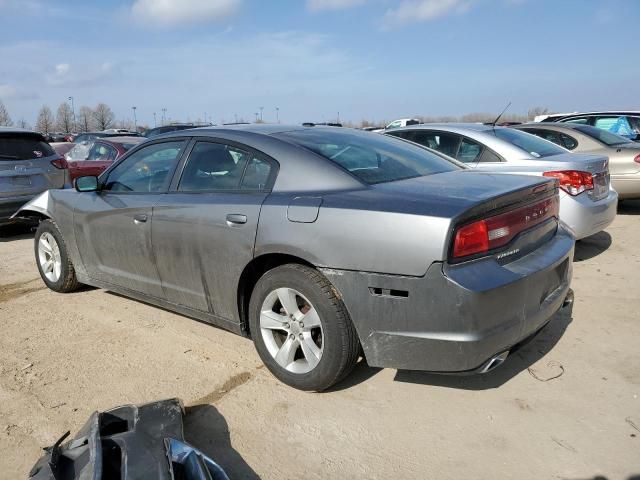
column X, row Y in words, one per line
column 9, row 206
column 456, row 318
column 584, row 217
column 627, row 186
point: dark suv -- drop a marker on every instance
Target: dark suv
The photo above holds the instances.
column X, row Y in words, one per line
column 28, row 166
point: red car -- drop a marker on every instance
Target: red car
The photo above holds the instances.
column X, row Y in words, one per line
column 101, row 155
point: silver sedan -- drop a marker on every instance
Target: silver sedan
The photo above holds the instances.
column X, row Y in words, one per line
column 587, row 203
column 624, row 155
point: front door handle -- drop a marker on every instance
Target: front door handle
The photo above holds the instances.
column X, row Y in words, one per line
column 140, row 218
column 236, row 219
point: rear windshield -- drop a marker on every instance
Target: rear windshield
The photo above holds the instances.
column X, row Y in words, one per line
column 608, row 138
column 535, row 146
column 371, row 157
column 127, row 146
column 23, row 148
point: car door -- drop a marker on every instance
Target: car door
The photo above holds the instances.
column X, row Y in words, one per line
column 100, row 157
column 204, row 229
column 113, row 225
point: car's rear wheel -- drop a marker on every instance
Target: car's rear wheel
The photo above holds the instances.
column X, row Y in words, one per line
column 53, row 261
column 301, row 329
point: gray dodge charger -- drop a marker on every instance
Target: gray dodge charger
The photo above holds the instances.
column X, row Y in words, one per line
column 321, row 244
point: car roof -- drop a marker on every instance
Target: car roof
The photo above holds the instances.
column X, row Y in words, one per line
column 558, row 125
column 259, row 128
column 123, row 139
column 17, row 130
column 478, row 127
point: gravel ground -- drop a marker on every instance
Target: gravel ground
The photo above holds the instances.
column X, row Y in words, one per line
column 567, row 406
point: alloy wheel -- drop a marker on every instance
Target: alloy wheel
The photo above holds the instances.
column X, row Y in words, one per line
column 292, row 330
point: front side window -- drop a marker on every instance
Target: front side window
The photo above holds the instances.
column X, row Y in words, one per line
column 533, row 145
column 216, row 166
column 371, row 158
column 147, row 170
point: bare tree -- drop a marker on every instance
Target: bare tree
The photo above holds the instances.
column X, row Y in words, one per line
column 535, row 111
column 5, row 119
column 85, row 119
column 44, row 124
column 64, row 118
column 103, row 116
column 22, row 123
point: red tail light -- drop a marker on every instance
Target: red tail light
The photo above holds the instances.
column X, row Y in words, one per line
column 637, row 159
column 574, row 182
column 494, row 232
column 60, row 163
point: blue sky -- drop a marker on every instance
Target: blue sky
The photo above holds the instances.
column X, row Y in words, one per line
column 371, row 59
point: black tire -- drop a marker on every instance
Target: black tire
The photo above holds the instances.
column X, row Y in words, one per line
column 67, row 282
column 341, row 346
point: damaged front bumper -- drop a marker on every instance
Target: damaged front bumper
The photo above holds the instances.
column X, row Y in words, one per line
column 128, row 442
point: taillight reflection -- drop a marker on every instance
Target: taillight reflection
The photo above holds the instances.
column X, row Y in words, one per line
column 60, row 163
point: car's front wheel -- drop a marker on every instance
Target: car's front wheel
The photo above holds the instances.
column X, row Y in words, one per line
column 301, row 329
column 53, row 260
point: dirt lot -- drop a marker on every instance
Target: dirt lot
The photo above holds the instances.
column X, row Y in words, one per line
column 64, row 356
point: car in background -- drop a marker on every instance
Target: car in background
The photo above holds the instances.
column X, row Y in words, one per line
column 402, row 122
column 316, row 242
column 172, row 128
column 624, row 154
column 622, row 123
column 28, row 167
column 102, row 153
column 587, row 203
column 61, row 148
column 53, row 137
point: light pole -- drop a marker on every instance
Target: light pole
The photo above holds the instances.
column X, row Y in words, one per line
column 277, row 114
column 261, row 109
column 73, row 110
column 164, row 112
column 155, row 124
column 256, row 114
column 135, row 120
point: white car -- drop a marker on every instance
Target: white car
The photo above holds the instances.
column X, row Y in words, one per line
column 403, row 122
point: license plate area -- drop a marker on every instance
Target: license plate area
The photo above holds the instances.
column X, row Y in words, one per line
column 21, row 180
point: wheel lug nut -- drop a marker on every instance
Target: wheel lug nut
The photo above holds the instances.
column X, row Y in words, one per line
column 286, row 325
column 292, row 336
column 300, row 336
column 301, row 325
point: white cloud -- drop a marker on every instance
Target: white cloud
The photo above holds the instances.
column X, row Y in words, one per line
column 411, row 11
column 182, row 12
column 319, row 5
column 64, row 75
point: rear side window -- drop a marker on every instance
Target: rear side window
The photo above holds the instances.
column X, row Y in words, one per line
column 533, row 145
column 568, row 142
column 371, row 158
column 446, row 143
column 469, row 151
column 579, row 120
column 23, row 148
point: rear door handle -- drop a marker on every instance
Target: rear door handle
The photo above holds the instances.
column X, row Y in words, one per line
column 236, row 219
column 140, row 218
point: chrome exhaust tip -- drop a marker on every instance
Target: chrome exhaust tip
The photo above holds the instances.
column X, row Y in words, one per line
column 494, row 362
column 568, row 300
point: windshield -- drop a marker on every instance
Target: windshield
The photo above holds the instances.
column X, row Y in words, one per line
column 370, row 157
column 535, row 146
column 608, row 138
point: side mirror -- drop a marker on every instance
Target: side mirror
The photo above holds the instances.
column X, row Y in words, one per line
column 86, row 184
